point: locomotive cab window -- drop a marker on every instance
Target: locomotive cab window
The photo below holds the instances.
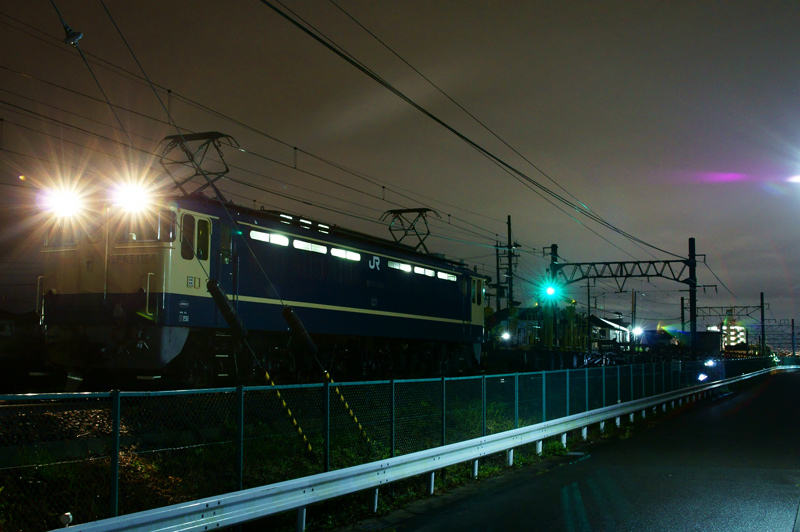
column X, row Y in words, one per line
column 149, row 228
column 189, row 237
column 477, row 291
column 203, row 238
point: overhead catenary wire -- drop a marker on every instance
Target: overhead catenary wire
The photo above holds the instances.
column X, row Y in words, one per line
column 518, row 174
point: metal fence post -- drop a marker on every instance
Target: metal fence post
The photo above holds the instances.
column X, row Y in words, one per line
column 632, row 397
column 444, row 417
column 326, row 428
column 483, row 403
column 544, row 396
column 604, row 386
column 114, row 455
column 586, row 376
column 391, row 415
column 619, row 390
column 653, row 368
column 567, row 372
column 239, row 437
column 516, row 400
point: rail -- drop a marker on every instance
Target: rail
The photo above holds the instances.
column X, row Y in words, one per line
column 242, row 506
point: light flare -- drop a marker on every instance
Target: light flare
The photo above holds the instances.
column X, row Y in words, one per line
column 133, row 198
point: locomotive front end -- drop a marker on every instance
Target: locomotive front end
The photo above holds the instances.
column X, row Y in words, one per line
column 105, row 275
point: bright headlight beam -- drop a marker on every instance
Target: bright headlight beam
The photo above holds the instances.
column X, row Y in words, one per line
column 63, row 203
column 131, row 198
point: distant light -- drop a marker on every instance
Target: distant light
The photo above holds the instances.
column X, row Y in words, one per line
column 550, row 290
column 637, row 331
column 131, row 198
column 702, row 377
column 506, row 336
column 794, row 179
column 22, row 178
column 709, row 363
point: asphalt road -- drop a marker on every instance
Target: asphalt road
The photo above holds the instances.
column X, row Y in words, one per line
column 728, row 464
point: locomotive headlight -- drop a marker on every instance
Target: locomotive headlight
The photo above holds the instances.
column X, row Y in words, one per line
column 63, row 203
column 131, row 198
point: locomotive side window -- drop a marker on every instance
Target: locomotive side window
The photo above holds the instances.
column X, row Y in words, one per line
column 398, row 266
column 308, row 246
column 203, row 238
column 187, row 237
column 272, row 238
column 344, row 254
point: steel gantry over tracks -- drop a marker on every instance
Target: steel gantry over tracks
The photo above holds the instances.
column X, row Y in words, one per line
column 680, row 270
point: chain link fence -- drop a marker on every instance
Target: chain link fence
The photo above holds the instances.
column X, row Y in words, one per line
column 97, row 455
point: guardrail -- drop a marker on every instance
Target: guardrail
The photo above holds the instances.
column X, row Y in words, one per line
column 250, row 504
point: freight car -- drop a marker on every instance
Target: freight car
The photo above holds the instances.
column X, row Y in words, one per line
column 126, row 292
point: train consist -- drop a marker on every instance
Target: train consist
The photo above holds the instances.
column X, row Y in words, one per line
column 128, row 292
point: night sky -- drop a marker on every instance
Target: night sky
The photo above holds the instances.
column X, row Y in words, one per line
column 669, row 120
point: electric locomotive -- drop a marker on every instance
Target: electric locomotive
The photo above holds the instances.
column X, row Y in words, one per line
column 127, row 292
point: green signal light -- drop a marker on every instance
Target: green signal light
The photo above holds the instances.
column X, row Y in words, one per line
column 551, row 291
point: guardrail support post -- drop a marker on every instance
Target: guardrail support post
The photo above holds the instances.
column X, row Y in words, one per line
column 633, row 417
column 602, row 426
column 564, row 440
column 510, row 457
column 431, row 482
column 301, row 520
column 475, row 469
column 618, row 421
column 644, row 414
column 539, row 447
column 375, row 502
column 585, row 433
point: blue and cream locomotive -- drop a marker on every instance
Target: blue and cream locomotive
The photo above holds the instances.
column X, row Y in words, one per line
column 128, row 292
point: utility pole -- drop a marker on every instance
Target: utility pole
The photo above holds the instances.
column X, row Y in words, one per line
column 632, row 345
column 683, row 314
column 553, row 270
column 763, row 328
column 510, row 267
column 692, row 280
column 499, row 284
column 588, row 317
